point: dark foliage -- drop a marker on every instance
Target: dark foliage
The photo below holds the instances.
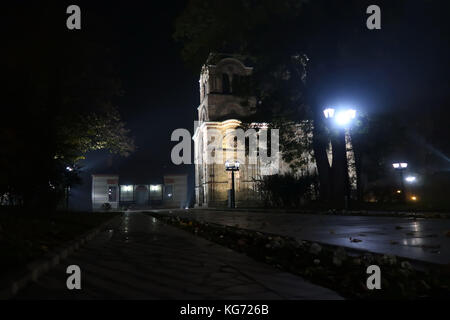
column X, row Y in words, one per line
column 287, row 190
column 59, row 103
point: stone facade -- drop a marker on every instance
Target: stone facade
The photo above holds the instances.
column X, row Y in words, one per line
column 218, row 98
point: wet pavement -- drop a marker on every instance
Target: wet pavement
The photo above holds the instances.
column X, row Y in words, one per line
column 138, row 257
column 421, row 239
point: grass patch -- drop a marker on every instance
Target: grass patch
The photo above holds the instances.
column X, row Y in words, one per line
column 25, row 236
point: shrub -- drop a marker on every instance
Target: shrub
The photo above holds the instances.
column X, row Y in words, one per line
column 106, row 206
column 287, row 190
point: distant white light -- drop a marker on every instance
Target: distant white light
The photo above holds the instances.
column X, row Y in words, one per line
column 402, row 165
column 69, row 168
column 155, row 187
column 127, row 188
column 410, row 179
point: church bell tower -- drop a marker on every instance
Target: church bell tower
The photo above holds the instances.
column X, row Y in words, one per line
column 225, row 100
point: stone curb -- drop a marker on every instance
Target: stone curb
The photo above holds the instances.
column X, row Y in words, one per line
column 37, row 268
column 367, row 213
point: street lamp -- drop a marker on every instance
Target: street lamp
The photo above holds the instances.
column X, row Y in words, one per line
column 400, row 167
column 341, row 117
column 67, row 188
column 232, row 166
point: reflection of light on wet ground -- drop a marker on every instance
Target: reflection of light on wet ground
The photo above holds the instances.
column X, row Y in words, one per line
column 414, row 239
column 126, row 222
column 413, row 242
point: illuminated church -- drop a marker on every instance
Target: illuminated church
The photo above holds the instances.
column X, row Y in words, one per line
column 222, row 107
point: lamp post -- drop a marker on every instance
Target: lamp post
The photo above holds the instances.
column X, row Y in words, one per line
column 68, row 169
column 232, row 166
column 401, row 167
column 342, row 119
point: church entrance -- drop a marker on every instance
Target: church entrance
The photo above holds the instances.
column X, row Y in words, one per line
column 141, row 195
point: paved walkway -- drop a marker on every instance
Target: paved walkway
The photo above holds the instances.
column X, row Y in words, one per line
column 421, row 239
column 138, row 257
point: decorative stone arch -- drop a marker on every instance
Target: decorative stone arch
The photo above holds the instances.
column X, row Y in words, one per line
column 232, row 66
column 203, row 116
column 226, row 71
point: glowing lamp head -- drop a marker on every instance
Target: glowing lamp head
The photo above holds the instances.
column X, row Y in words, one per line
column 400, row 165
column 328, row 112
column 232, row 165
column 344, row 117
column 410, row 179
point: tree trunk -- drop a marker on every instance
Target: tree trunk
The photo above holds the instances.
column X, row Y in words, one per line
column 340, row 174
column 320, row 154
column 359, row 180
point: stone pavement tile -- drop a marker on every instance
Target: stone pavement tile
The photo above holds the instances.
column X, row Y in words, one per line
column 142, row 258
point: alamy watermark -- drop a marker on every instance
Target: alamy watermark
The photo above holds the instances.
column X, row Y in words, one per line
column 74, row 280
column 374, row 280
column 374, row 20
column 215, row 145
column 74, row 20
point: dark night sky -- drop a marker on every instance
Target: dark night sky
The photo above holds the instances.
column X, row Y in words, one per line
column 161, row 94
